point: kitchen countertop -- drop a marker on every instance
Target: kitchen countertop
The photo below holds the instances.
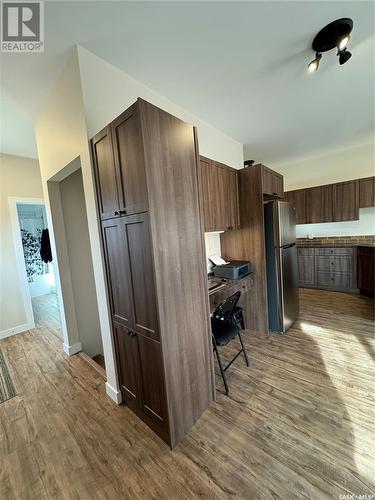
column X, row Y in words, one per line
column 338, row 245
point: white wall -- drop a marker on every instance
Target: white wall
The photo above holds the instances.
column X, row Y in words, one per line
column 19, row 177
column 61, row 137
column 347, row 164
column 107, row 91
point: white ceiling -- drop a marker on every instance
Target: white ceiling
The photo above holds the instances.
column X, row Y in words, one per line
column 240, row 66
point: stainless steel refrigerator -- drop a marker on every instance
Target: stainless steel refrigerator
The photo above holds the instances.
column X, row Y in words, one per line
column 282, row 271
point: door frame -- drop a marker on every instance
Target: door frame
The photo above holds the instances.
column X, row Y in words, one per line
column 20, row 258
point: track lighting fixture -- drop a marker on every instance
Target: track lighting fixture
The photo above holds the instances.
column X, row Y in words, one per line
column 314, row 65
column 335, row 34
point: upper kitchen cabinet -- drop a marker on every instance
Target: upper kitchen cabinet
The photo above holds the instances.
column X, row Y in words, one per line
column 129, row 161
column 367, row 192
column 297, row 199
column 105, row 174
column 272, row 183
column 319, row 204
column 219, row 192
column 345, row 198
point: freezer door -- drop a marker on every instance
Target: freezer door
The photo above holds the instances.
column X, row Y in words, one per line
column 289, row 286
column 287, row 223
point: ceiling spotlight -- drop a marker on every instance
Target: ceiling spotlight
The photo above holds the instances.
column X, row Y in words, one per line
column 343, row 42
column 335, row 34
column 344, row 56
column 314, row 65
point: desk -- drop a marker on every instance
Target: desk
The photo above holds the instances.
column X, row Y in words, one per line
column 228, row 288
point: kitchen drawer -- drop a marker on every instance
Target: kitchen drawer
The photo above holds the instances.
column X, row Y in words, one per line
column 334, row 280
column 334, row 251
column 305, row 251
column 334, row 263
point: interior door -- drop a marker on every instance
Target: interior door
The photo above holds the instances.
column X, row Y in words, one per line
column 105, row 174
column 129, row 160
column 118, row 270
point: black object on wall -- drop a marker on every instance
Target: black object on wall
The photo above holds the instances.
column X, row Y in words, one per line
column 45, row 247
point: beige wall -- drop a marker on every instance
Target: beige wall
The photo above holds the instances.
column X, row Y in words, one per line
column 80, row 261
column 338, row 166
column 19, row 177
column 61, row 137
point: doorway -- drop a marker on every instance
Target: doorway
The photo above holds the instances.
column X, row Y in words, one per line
column 36, row 275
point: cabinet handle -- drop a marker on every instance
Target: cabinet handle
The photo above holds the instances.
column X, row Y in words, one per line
column 117, row 212
column 123, row 212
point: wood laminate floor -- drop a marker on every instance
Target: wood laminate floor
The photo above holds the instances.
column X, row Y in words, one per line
column 298, row 423
column 46, row 313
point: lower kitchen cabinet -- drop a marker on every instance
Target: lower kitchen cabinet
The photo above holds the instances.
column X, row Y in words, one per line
column 366, row 270
column 306, row 266
column 328, row 268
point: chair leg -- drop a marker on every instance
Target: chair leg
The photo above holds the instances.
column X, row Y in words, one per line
column 220, row 366
column 242, row 322
column 243, row 350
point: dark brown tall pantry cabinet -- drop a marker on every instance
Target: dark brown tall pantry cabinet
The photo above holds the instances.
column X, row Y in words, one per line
column 145, row 165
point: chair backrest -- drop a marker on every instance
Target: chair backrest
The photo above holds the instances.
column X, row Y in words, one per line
column 224, row 311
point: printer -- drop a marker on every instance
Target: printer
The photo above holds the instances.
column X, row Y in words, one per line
column 234, row 270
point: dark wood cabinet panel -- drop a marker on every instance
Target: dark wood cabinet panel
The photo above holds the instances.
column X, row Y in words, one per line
column 128, row 366
column 219, row 188
column 105, row 174
column 142, row 273
column 367, row 192
column 319, row 205
column 366, row 271
column 272, row 183
column 306, row 266
column 231, row 185
column 129, row 161
column 151, row 361
column 345, row 197
column 118, row 270
column 297, row 199
column 158, row 299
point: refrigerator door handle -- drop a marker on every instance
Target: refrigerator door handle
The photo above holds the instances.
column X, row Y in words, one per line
column 288, row 246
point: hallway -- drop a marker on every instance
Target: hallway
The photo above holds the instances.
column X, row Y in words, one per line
column 297, row 424
column 46, row 313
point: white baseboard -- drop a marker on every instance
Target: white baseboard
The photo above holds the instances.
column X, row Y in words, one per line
column 116, row 396
column 72, row 349
column 16, row 329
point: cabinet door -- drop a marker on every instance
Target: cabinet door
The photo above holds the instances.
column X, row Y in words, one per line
column 367, row 192
column 306, row 266
column 129, row 161
column 105, row 174
column 345, row 201
column 142, row 275
column 118, row 270
column 128, row 366
column 272, row 183
column 231, row 199
column 297, row 199
column 213, row 194
column 366, row 268
column 319, row 204
column 153, row 392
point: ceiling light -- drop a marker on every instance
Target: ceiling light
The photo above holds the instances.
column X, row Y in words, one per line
column 314, row 65
column 335, row 34
column 344, row 56
column 343, row 42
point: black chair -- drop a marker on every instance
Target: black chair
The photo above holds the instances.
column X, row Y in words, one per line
column 225, row 325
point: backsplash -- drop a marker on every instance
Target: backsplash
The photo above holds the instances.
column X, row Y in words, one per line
column 337, row 240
